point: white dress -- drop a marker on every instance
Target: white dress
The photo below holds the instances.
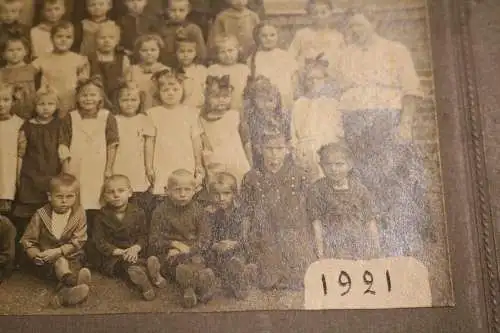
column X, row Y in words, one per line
column 238, row 76
column 130, row 154
column 315, row 122
column 279, row 67
column 88, row 155
column 227, row 149
column 194, row 86
column 9, row 130
column 61, row 72
column 175, row 130
column 41, row 43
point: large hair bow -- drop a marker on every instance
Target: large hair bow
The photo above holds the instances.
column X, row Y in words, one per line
column 319, row 60
column 177, row 73
column 221, row 82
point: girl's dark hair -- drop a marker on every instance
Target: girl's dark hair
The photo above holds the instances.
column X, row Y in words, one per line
column 95, row 80
column 16, row 35
column 147, row 38
column 255, row 34
column 63, row 25
column 128, row 85
column 176, row 74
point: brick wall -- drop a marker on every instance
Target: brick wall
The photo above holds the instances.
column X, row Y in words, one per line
column 404, row 21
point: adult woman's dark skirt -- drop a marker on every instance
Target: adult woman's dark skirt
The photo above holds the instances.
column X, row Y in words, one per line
column 393, row 171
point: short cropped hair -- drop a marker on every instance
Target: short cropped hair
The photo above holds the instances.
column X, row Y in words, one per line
column 5, row 3
column 335, row 148
column 63, row 180
column 175, row 176
column 63, row 25
column 109, row 25
column 224, row 178
column 168, row 3
column 53, row 2
column 116, row 177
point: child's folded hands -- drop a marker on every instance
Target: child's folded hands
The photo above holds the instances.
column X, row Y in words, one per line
column 131, row 254
column 48, row 256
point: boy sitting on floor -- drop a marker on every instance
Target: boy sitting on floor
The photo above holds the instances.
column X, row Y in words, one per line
column 179, row 238
column 120, row 234
column 54, row 239
column 228, row 228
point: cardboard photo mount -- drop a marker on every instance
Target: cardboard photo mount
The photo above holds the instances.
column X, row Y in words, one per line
column 465, row 72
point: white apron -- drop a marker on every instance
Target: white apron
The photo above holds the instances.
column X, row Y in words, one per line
column 9, row 130
column 227, row 149
column 88, row 155
column 130, row 154
column 175, row 130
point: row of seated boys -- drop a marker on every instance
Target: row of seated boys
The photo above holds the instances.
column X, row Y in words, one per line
column 235, row 239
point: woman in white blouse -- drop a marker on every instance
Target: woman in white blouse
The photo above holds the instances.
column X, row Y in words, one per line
column 381, row 93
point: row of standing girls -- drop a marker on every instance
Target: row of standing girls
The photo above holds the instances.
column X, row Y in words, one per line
column 156, row 115
column 176, row 93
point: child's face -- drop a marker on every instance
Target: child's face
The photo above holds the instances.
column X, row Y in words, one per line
column 186, row 53
column 107, row 40
column 178, row 10
column 46, row 107
column 98, row 8
column 15, row 52
column 266, row 102
column 135, row 6
column 63, row 39
column 274, row 153
column 53, row 12
column 10, row 12
column 182, row 191
column 89, row 98
column 5, row 102
column 237, row 4
column 335, row 166
column 315, row 79
column 117, row 193
column 268, row 37
column 320, row 13
column 170, row 92
column 149, row 52
column 220, row 102
column 62, row 199
column 227, row 53
column 222, row 195
column 129, row 102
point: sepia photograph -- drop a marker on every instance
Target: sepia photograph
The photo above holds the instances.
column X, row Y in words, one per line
column 212, row 156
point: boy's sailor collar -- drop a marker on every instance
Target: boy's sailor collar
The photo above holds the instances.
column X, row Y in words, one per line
column 45, row 214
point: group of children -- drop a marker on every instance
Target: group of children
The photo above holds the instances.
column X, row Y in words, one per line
column 121, row 149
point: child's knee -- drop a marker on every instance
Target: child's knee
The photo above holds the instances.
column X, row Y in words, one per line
column 61, row 267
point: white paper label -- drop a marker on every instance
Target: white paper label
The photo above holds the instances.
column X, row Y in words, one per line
column 397, row 282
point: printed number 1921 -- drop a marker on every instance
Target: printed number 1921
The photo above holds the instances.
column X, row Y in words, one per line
column 345, row 281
